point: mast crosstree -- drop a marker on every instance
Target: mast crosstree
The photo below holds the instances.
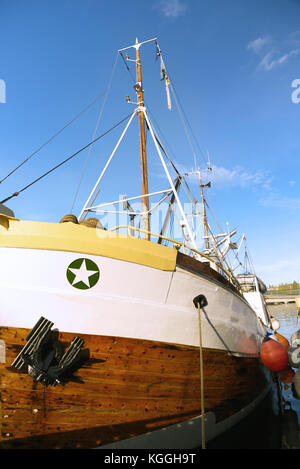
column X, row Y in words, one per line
column 143, row 117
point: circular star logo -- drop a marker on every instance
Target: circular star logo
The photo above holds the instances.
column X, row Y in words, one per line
column 83, row 273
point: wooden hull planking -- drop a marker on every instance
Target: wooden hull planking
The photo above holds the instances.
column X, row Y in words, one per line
column 123, row 388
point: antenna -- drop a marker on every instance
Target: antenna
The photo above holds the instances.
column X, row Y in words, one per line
column 137, row 45
column 142, row 138
column 205, row 224
column 208, row 162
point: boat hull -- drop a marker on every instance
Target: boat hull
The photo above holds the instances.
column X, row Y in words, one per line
column 133, row 308
column 129, row 300
column 123, row 388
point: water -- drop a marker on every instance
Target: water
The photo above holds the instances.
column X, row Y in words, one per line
column 288, row 318
column 271, row 425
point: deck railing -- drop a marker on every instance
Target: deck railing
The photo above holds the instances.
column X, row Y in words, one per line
column 178, row 244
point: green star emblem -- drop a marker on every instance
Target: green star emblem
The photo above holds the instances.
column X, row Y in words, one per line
column 83, row 273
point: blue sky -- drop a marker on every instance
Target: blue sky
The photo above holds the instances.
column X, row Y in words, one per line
column 233, row 65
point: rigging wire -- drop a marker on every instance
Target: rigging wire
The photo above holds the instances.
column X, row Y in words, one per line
column 193, row 200
column 183, row 115
column 247, row 253
column 133, row 79
column 156, row 136
column 128, row 69
column 95, row 132
column 213, row 214
column 15, row 194
column 185, row 125
column 59, row 131
column 126, row 64
column 183, row 179
column 237, row 259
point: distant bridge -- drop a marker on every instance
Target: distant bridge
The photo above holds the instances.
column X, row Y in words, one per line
column 281, row 296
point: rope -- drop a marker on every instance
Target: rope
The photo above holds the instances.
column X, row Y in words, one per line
column 15, row 194
column 193, row 200
column 133, row 79
column 95, row 131
column 180, row 111
column 182, row 115
column 130, row 73
column 201, row 379
column 57, row 133
column 184, row 119
column 247, row 251
column 160, row 144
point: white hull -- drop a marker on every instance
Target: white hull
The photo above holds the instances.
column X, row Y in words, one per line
column 129, row 300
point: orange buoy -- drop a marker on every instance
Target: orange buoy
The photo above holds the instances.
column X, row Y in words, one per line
column 282, row 340
column 274, row 355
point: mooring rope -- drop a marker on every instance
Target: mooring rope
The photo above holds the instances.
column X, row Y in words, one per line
column 201, row 379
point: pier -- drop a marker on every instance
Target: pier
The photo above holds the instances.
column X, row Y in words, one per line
column 281, row 296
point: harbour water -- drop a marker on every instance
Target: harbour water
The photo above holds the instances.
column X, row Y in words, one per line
column 288, row 318
column 275, row 422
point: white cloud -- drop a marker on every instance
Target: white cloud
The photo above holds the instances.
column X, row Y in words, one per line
column 241, row 177
column 171, row 8
column 267, row 63
column 258, row 43
column 278, row 201
column 236, row 177
column 273, row 53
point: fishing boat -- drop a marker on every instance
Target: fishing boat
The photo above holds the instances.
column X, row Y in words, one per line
column 252, row 287
column 121, row 336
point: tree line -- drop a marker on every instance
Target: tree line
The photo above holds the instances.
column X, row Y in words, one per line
column 285, row 286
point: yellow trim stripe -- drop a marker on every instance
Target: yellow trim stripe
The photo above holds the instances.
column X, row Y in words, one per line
column 84, row 240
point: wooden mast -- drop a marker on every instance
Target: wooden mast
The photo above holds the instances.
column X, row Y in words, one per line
column 142, row 138
column 204, row 211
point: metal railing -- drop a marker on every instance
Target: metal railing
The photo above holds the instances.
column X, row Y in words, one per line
column 178, row 244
